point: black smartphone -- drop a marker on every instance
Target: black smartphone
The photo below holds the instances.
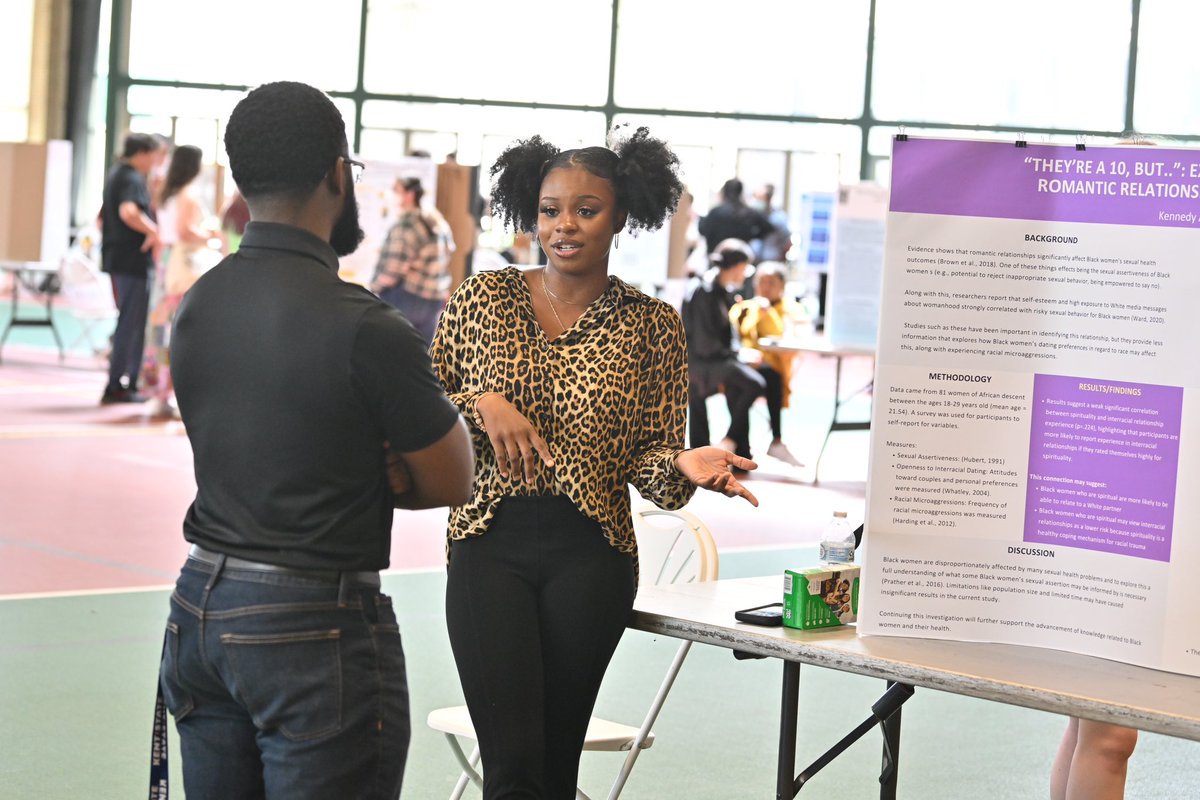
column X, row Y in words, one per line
column 770, row 615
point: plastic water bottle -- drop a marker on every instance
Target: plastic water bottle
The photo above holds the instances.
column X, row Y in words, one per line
column 837, row 543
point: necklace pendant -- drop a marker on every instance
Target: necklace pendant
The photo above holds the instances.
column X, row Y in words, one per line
column 553, row 310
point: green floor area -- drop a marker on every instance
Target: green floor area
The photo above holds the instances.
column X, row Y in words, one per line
column 77, row 681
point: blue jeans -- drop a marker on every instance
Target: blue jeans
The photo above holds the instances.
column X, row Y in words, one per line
column 284, row 686
column 420, row 311
column 129, row 338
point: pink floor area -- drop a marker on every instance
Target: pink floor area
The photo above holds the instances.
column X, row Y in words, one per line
column 93, row 497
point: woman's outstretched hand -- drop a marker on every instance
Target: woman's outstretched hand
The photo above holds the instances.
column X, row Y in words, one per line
column 513, row 437
column 712, row 468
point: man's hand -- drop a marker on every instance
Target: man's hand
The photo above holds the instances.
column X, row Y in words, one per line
column 151, row 242
column 516, row 442
column 397, row 472
column 712, row 468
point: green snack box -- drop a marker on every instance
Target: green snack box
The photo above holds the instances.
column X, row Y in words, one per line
column 820, row 597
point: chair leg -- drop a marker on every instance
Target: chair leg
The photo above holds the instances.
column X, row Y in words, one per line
column 651, row 718
column 469, row 773
column 463, row 781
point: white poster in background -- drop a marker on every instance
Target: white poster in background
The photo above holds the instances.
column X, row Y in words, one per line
column 641, row 260
column 1036, row 391
column 856, row 271
column 378, row 209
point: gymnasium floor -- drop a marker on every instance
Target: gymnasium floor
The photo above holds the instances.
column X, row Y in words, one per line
column 91, row 501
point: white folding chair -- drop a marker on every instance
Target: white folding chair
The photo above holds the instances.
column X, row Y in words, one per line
column 673, row 547
column 87, row 293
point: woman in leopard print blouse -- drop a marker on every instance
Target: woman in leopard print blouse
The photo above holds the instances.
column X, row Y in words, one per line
column 575, row 385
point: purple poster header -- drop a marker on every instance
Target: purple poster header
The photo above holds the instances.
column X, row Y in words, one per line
column 1103, row 464
column 1054, row 183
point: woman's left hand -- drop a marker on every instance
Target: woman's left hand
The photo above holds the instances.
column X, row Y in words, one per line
column 712, row 468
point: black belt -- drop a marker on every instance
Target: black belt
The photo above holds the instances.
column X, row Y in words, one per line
column 359, row 578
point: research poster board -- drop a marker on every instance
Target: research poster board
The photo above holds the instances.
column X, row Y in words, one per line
column 1034, row 435
column 813, row 223
column 857, row 269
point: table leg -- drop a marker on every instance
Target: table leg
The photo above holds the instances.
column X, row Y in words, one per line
column 837, row 405
column 15, row 320
column 891, row 754
column 13, row 316
column 835, row 424
column 789, row 708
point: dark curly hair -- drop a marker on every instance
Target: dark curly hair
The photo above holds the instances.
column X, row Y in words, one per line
column 283, row 138
column 642, row 170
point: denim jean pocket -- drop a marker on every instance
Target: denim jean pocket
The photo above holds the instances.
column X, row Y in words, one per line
column 179, row 701
column 290, row 682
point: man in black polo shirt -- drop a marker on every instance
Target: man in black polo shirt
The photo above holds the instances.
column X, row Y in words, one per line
column 128, row 244
column 283, row 666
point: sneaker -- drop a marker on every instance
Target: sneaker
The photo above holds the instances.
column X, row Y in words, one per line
column 162, row 409
column 779, row 451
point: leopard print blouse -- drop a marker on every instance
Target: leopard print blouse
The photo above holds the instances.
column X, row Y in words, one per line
column 609, row 396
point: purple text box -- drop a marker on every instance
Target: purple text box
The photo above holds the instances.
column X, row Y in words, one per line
column 1084, row 488
column 1000, row 180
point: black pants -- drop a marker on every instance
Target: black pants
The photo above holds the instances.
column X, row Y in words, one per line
column 535, row 608
column 741, row 385
column 132, row 294
column 774, row 395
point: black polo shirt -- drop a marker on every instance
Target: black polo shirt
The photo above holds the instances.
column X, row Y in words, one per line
column 120, row 245
column 289, row 380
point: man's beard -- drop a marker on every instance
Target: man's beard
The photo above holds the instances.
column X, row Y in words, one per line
column 347, row 233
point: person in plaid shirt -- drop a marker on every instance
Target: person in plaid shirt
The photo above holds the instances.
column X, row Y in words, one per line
column 413, row 273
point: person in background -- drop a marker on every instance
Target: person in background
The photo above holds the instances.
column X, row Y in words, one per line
column 775, row 244
column 770, row 314
column 1092, row 761
column 312, row 411
column 128, row 250
column 713, row 364
column 413, row 273
column 732, row 219
column 186, row 255
column 575, row 385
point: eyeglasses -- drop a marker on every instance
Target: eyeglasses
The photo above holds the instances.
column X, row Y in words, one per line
column 357, row 168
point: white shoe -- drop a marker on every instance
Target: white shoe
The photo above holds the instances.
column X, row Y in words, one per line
column 162, row 409
column 779, row 451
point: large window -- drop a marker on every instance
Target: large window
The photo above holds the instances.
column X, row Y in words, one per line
column 767, row 90
column 1059, row 64
column 245, row 42
column 544, row 51
column 752, row 56
column 16, row 55
column 1168, row 73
